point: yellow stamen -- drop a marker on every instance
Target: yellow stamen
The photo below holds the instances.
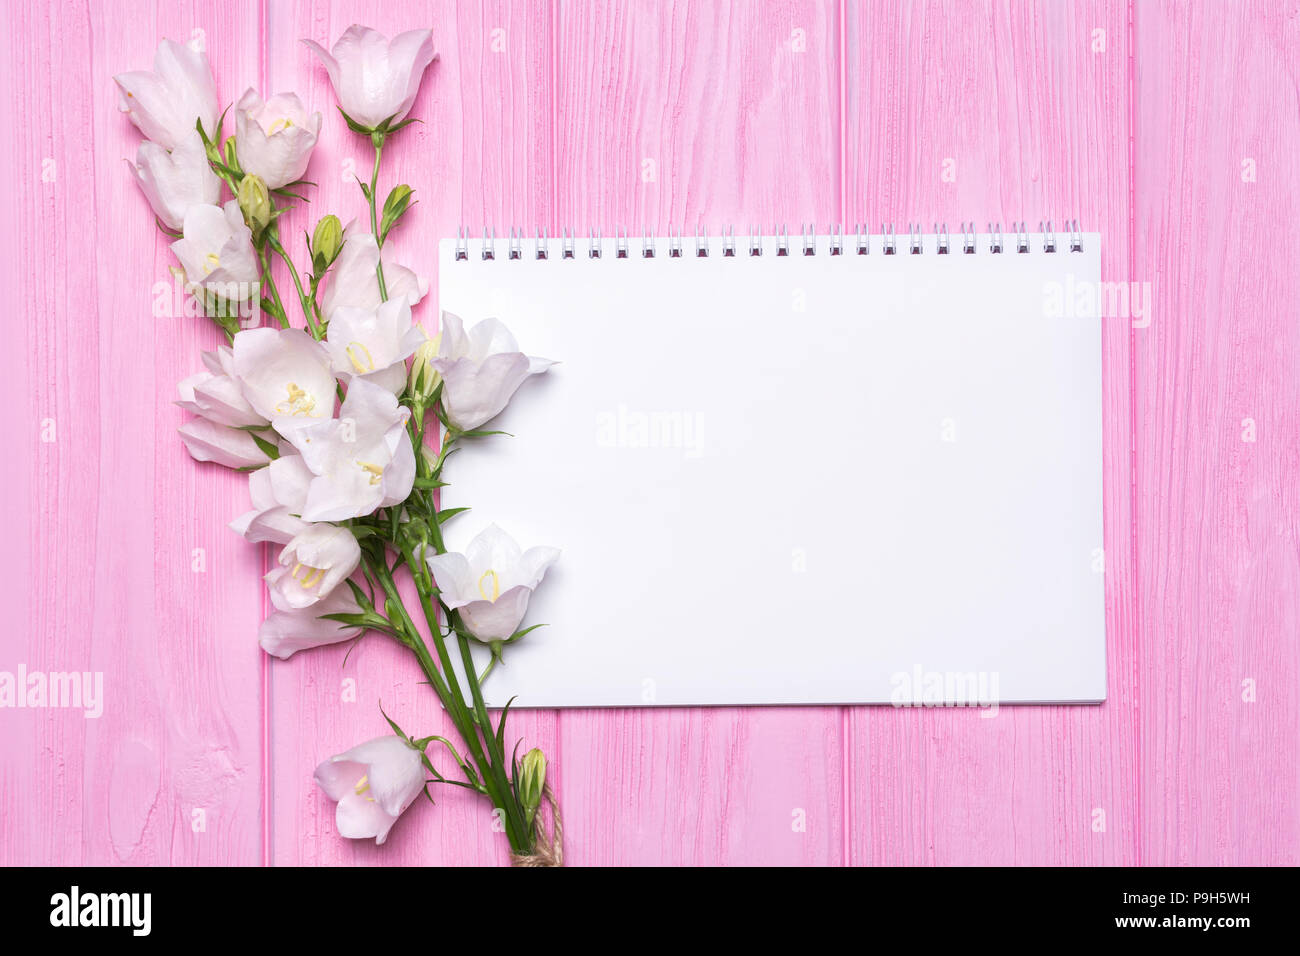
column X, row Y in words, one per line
column 362, row 786
column 211, row 262
column 376, row 471
column 496, row 585
column 356, row 363
column 310, row 578
column 298, row 402
column 279, row 125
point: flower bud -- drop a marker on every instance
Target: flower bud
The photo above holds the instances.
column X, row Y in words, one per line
column 424, row 377
column 255, row 204
column 395, row 206
column 532, row 779
column 326, row 243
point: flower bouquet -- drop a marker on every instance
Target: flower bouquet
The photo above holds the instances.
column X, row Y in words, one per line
column 343, row 412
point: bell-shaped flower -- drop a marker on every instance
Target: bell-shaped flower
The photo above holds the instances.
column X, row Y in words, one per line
column 490, row 583
column 480, row 369
column 353, row 283
column 362, row 460
column 373, row 345
column 217, row 252
column 376, row 79
column 373, row 783
column 284, row 633
column 278, row 493
column 316, row 560
column 176, row 181
column 233, row 447
column 274, row 138
column 166, row 103
column 285, row 376
column 215, row 393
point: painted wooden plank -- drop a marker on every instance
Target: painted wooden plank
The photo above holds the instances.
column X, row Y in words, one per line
column 673, row 116
column 1217, row 160
column 740, row 117
column 124, row 566
column 997, row 112
column 481, row 156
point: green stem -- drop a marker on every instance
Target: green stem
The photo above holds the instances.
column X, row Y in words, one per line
column 498, row 787
column 374, row 219
column 480, row 708
column 488, row 670
column 303, row 301
column 269, row 281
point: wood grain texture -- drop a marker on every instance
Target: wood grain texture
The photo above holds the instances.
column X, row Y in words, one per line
column 650, row 116
column 124, row 564
column 481, row 155
column 1219, row 515
column 1002, row 113
column 673, row 115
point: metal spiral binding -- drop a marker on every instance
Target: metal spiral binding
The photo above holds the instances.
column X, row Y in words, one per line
column 968, row 238
column 888, row 241
column 839, row 243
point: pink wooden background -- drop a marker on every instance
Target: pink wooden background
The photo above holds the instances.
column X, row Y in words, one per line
column 1135, row 117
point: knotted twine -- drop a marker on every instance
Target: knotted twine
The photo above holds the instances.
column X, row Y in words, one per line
column 547, row 852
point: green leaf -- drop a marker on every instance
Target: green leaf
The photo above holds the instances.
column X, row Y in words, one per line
column 354, row 125
column 358, row 594
column 232, row 157
column 447, row 515
column 501, row 728
column 271, row 309
column 403, row 124
column 165, row 228
column 392, row 723
column 429, row 483
column 268, row 448
column 343, row 617
column 518, row 634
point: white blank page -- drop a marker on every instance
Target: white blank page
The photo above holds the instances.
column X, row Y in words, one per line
column 796, row 480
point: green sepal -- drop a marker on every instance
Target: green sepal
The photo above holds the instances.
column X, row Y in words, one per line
column 396, row 729
column 354, row 125
column 445, row 516
column 395, row 206
column 268, row 448
column 517, row 635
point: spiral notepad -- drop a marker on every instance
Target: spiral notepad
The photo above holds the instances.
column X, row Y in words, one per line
column 813, row 469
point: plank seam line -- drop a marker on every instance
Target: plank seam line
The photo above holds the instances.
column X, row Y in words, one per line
column 555, row 225
column 846, row 722
column 264, row 661
column 1133, row 426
